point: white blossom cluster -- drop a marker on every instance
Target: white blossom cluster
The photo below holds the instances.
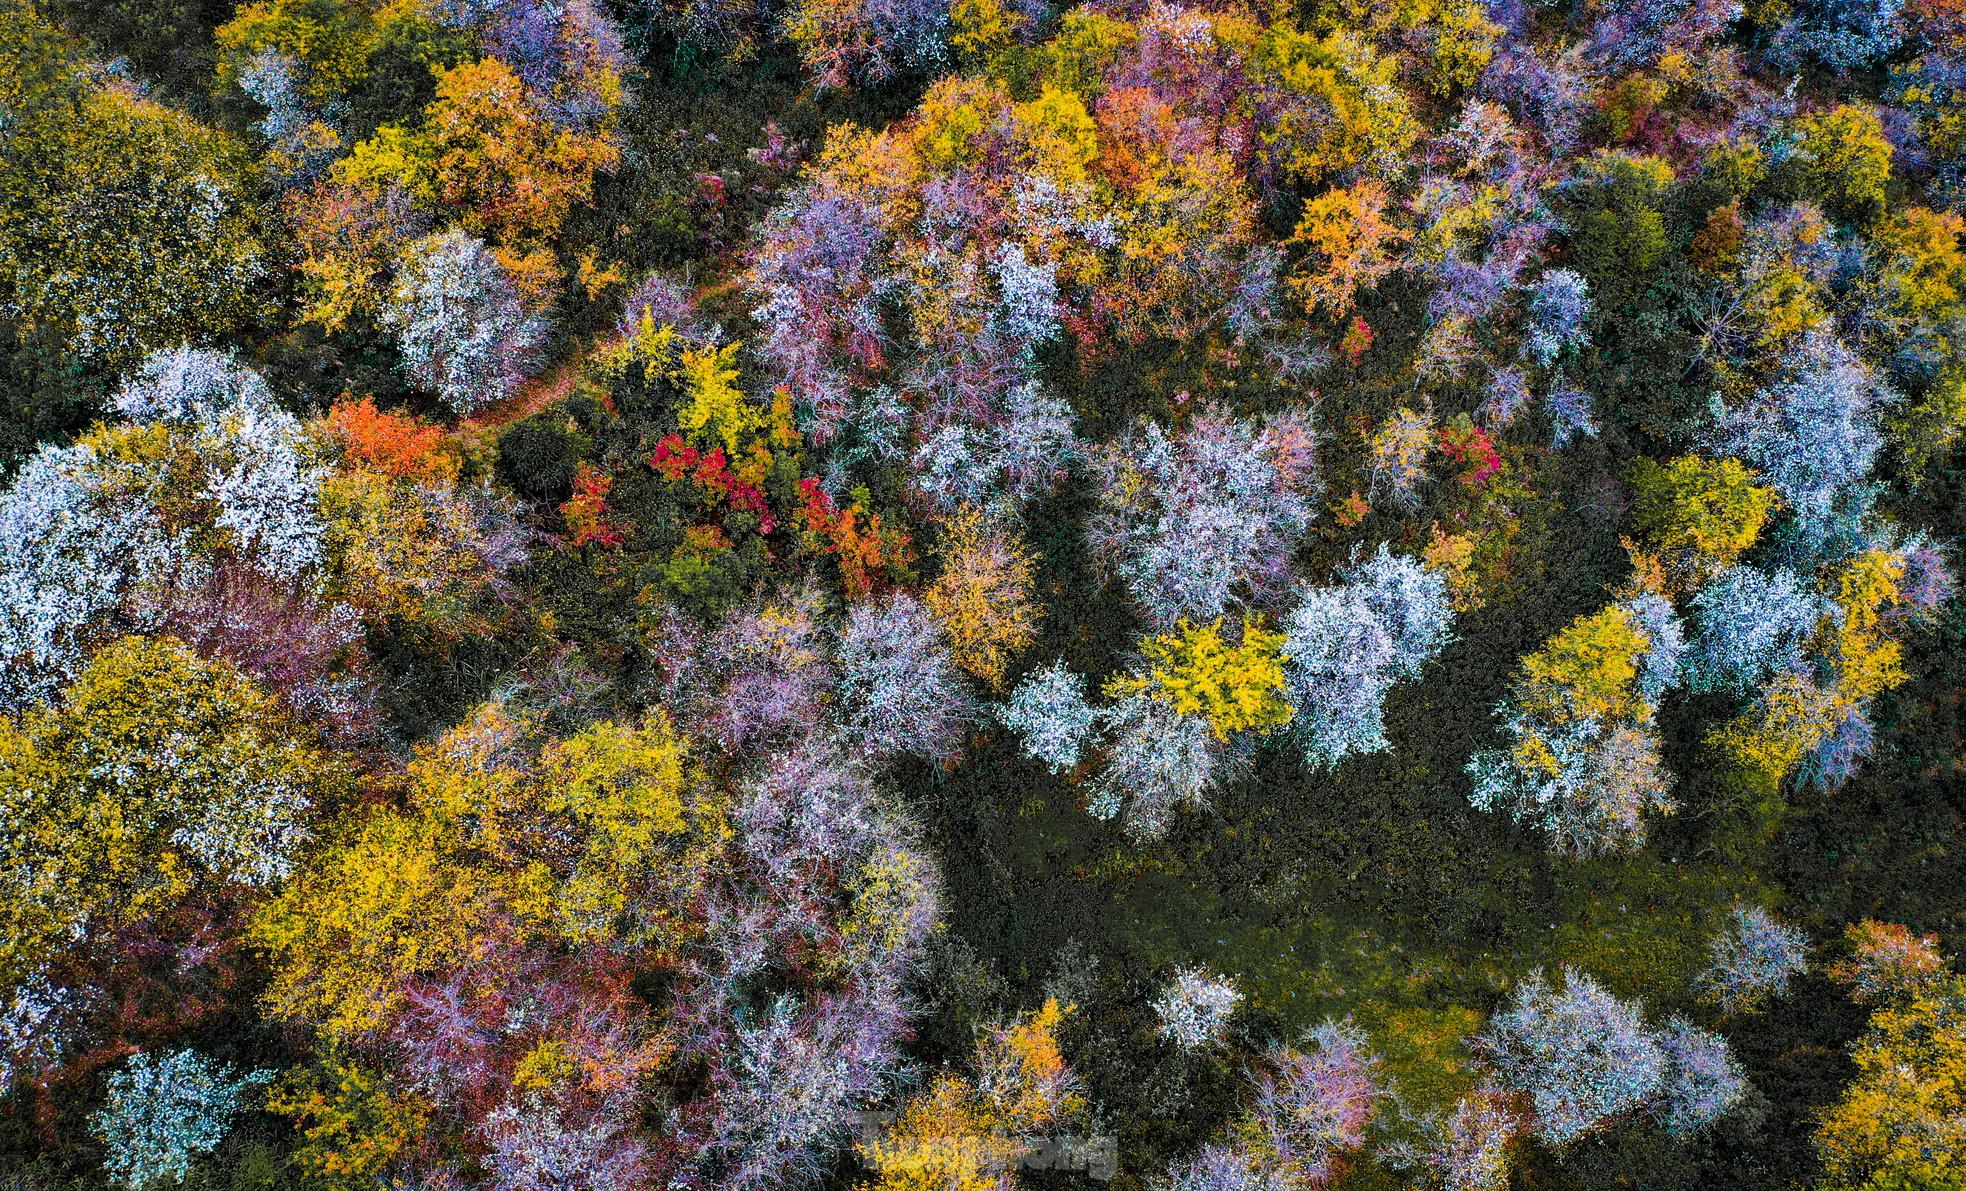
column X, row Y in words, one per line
column 1195, row 1008
column 165, row 1111
column 81, row 528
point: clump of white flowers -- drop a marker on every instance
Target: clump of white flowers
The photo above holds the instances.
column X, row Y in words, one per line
column 1195, row 1008
column 164, row 1112
column 84, row 527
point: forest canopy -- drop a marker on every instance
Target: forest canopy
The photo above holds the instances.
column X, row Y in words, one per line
column 982, row 595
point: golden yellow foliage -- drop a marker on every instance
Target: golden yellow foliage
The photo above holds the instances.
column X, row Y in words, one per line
column 1193, row 670
column 1589, row 670
column 156, row 775
column 1702, row 513
column 983, row 596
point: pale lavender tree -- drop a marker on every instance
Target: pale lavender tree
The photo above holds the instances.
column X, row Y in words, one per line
column 1752, row 959
column 460, row 325
column 1195, row 523
column 1582, row 1057
column 1051, row 717
column 1703, row 1081
column 1312, row 1105
column 899, row 691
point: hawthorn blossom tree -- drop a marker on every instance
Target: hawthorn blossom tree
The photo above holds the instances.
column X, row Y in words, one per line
column 1196, row 522
column 1347, row 646
column 253, row 454
column 1019, row 453
column 1812, row 434
column 209, row 467
column 1507, row 397
column 1582, row 1057
column 37, row 1027
column 1559, row 305
column 1750, row 624
column 1195, row 1008
column 1051, row 717
column 1572, row 413
column 1753, row 959
column 164, row 1112
column 1157, row 762
column 1312, row 1105
column 899, row 690
column 536, row 1143
column 867, row 42
column 459, row 322
column 67, row 559
column 1703, row 1082
column 820, row 276
column 1471, row 1149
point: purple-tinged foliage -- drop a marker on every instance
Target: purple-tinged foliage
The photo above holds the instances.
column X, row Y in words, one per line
column 1581, row 1056
column 1548, row 90
column 1931, row 88
column 1466, row 1150
column 462, row 330
column 1196, row 523
column 1558, row 308
column 1507, row 396
column 899, row 690
column 758, row 680
column 1927, row 583
column 1752, row 959
column 536, row 1143
column 1228, row 1168
column 712, row 25
column 784, row 1103
column 567, row 52
column 1637, row 33
column 1836, row 758
column 806, row 808
column 1749, row 625
column 1052, row 718
column 819, row 275
column 1572, row 413
column 1703, row 1082
column 662, row 301
column 1312, row 1104
column 291, row 642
